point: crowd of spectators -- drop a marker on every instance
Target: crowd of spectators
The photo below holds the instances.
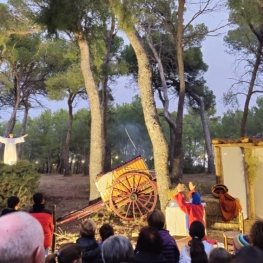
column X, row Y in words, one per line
column 26, row 238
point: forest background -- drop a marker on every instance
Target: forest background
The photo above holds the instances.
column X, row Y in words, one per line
column 60, row 50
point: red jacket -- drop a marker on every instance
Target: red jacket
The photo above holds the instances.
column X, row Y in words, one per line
column 45, row 218
column 195, row 212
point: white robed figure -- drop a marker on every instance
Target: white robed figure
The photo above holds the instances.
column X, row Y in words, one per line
column 10, row 155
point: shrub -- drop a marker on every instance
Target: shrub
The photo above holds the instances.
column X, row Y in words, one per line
column 20, row 180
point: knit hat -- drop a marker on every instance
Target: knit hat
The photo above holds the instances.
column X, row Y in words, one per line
column 196, row 198
column 239, row 242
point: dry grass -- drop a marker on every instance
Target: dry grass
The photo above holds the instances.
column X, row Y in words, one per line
column 70, row 193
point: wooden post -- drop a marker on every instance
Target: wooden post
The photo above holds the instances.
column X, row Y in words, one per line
column 250, row 185
column 219, row 165
column 55, row 229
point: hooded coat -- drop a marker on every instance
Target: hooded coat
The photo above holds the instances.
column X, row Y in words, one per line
column 169, row 249
column 91, row 252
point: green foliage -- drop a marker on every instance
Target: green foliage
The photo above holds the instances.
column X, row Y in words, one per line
column 20, row 180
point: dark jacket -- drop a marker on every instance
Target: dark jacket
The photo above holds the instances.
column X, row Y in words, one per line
column 169, row 249
column 147, row 257
column 6, row 211
column 91, row 252
column 45, row 218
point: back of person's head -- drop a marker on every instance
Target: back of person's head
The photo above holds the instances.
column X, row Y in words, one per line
column 106, row 231
column 38, row 198
column 149, row 240
column 87, row 228
column 117, row 249
column 196, row 198
column 12, row 201
column 256, row 234
column 248, row 254
column 197, row 249
column 219, row 255
column 67, row 253
column 23, row 239
column 156, row 219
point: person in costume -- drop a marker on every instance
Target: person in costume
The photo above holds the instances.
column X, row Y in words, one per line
column 10, row 155
column 194, row 209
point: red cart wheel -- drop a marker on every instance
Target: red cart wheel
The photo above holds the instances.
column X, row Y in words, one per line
column 133, row 195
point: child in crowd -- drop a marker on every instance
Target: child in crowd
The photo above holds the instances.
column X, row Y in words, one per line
column 68, row 253
column 45, row 218
column 91, row 251
column 195, row 209
column 12, row 205
column 219, row 255
column 248, row 254
column 105, row 231
column 170, row 250
column 240, row 241
column 149, row 247
column 256, row 234
column 197, row 250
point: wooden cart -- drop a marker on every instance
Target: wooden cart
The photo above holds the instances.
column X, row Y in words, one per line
column 129, row 190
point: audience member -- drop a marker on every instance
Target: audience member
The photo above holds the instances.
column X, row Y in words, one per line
column 12, row 205
column 91, row 251
column 248, row 254
column 68, row 253
column 197, row 251
column 105, row 231
column 149, row 246
column 45, row 218
column 240, row 241
column 256, row 234
column 21, row 239
column 170, row 250
column 195, row 209
column 219, row 255
column 117, row 249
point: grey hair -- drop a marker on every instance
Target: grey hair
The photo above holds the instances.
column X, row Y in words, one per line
column 23, row 234
column 117, row 249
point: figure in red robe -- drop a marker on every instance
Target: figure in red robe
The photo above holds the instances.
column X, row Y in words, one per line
column 194, row 210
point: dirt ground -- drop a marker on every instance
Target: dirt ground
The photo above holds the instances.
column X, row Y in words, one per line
column 70, row 193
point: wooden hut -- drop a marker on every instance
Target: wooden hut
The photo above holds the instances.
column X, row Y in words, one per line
column 239, row 165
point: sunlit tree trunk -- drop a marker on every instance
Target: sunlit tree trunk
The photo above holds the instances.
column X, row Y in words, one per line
column 96, row 138
column 160, row 148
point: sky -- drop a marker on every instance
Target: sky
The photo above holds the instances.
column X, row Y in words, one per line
column 218, row 77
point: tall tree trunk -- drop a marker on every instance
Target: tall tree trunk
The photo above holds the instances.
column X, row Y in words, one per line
column 171, row 148
column 67, row 141
column 208, row 141
column 97, row 142
column 160, row 148
column 250, row 89
column 164, row 98
column 105, row 93
column 178, row 146
column 23, row 131
column 11, row 123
